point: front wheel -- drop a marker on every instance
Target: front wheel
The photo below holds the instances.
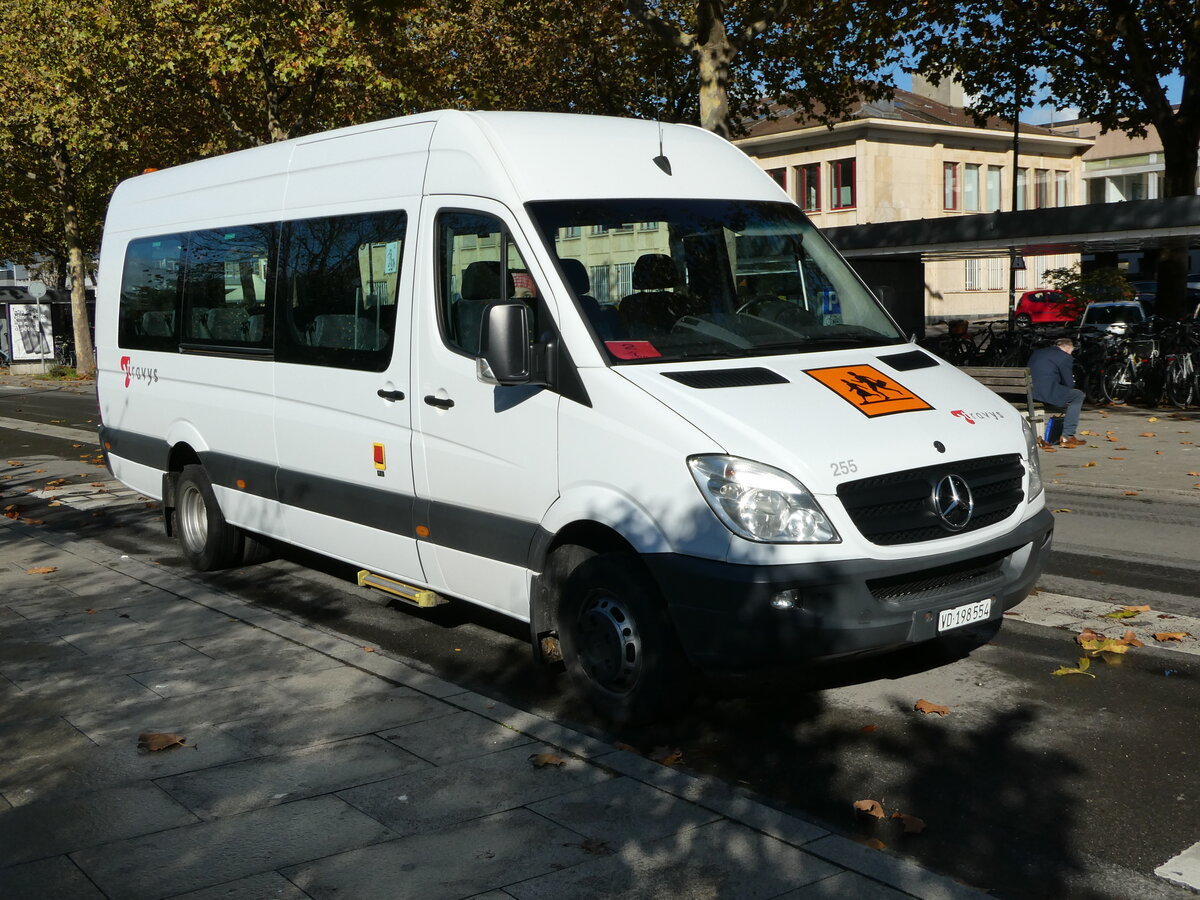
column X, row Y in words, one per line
column 618, row 644
column 1023, row 320
column 208, row 542
column 1117, row 382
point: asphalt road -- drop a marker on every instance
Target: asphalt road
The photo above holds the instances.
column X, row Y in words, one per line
column 1032, row 786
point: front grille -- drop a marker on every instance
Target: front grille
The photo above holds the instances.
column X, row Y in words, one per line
column 912, row 587
column 897, row 508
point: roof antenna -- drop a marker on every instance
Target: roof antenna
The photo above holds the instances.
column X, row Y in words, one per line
column 661, row 160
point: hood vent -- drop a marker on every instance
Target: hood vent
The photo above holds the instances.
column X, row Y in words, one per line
column 906, row 362
column 727, row 378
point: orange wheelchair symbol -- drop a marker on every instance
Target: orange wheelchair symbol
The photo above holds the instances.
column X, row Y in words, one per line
column 868, row 390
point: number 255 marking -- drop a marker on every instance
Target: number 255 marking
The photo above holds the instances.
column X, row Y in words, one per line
column 844, row 467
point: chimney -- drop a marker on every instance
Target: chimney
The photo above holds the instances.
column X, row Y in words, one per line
column 949, row 91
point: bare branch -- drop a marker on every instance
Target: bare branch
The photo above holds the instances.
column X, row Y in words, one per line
column 667, row 32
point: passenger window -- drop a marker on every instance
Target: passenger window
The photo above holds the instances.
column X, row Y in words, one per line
column 229, row 285
column 341, row 280
column 478, row 265
column 150, row 287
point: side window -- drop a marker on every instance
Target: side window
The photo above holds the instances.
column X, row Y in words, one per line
column 478, row 264
column 150, row 286
column 337, row 305
column 228, row 287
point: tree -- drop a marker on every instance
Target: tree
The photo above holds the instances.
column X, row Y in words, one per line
column 63, row 83
column 1107, row 58
column 581, row 56
column 263, row 71
column 755, row 58
column 1094, row 286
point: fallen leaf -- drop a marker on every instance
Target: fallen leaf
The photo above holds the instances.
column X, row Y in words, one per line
column 1090, row 433
column 1131, row 640
column 97, row 484
column 869, row 807
column 542, row 760
column 1111, row 438
column 1147, row 434
column 14, row 462
column 57, row 482
column 368, row 649
column 1089, row 464
column 1116, row 457
column 1130, row 493
column 153, row 740
column 33, row 521
column 912, row 825
column 1152, row 419
column 1062, row 510
column 1081, row 669
column 1088, row 634
column 666, row 756
column 629, row 747
column 924, row 706
column 868, row 729
column 1122, row 448
column 875, row 844
column 41, row 570
column 12, row 511
column 1137, row 609
column 1104, row 645
column 1165, row 616
column 1193, row 474
column 1171, row 635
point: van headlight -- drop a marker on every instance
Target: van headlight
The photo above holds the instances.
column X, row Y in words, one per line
column 759, row 502
column 1035, row 464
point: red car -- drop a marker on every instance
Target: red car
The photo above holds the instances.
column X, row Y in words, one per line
column 1045, row 306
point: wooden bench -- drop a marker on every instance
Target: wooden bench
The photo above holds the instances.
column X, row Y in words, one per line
column 1014, row 383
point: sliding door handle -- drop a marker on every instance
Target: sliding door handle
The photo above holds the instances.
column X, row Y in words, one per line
column 391, row 395
column 438, row 401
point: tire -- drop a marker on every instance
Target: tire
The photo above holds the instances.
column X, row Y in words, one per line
column 1023, row 320
column 1117, row 382
column 207, row 541
column 1180, row 383
column 617, row 641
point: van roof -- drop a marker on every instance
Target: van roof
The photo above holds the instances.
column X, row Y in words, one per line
column 512, row 157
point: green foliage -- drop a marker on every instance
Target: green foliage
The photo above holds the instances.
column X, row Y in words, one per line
column 1096, row 285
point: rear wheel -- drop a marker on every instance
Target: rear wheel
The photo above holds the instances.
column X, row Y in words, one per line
column 618, row 644
column 208, row 542
column 1023, row 320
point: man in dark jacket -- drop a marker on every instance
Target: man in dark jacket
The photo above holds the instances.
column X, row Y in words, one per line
column 1054, row 385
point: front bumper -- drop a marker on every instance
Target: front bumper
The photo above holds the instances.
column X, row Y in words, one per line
column 725, row 622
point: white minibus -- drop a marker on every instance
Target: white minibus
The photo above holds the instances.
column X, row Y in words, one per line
column 599, row 375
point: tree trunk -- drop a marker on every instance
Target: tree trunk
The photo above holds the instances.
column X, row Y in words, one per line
column 1179, row 180
column 85, row 357
column 714, row 52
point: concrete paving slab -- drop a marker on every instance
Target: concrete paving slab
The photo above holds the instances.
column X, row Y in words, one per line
column 331, row 686
column 842, row 886
column 441, row 797
column 134, row 634
column 890, row 870
column 223, row 850
column 723, row 859
column 203, row 675
column 53, row 877
column 257, row 887
column 542, row 729
column 318, row 725
column 622, row 810
column 91, row 767
column 461, row 735
column 271, row 780
column 69, row 695
column 179, row 714
column 70, row 604
column 52, row 736
column 31, row 673
column 460, row 861
column 52, row 828
column 15, row 649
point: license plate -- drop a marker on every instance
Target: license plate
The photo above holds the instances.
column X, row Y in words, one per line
column 964, row 615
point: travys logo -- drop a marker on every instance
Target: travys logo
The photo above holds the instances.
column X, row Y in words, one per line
column 970, row 418
column 870, row 391
column 137, row 373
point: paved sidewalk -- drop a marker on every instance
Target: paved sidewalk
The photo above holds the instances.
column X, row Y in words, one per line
column 315, row 767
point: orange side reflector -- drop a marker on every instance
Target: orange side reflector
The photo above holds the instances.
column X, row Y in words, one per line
column 241, row 484
column 422, row 531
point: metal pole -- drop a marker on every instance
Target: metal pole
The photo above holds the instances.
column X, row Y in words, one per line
column 1012, row 251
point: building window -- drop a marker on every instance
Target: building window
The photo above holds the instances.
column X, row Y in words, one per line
column 571, row 231
column 950, row 185
column 996, row 274
column 994, row 192
column 971, row 187
column 810, row 187
column 1041, row 188
column 624, row 279
column 841, row 173
column 779, row 176
column 1062, row 189
column 600, row 284
column 973, row 275
column 1022, row 189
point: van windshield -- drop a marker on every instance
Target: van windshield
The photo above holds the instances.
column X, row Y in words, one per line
column 692, row 279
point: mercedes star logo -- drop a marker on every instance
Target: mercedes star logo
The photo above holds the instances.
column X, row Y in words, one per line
column 953, row 503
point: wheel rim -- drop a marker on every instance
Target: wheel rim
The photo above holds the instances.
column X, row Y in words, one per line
column 192, row 517
column 610, row 645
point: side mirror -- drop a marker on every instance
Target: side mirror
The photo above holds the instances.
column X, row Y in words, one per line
column 505, row 356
